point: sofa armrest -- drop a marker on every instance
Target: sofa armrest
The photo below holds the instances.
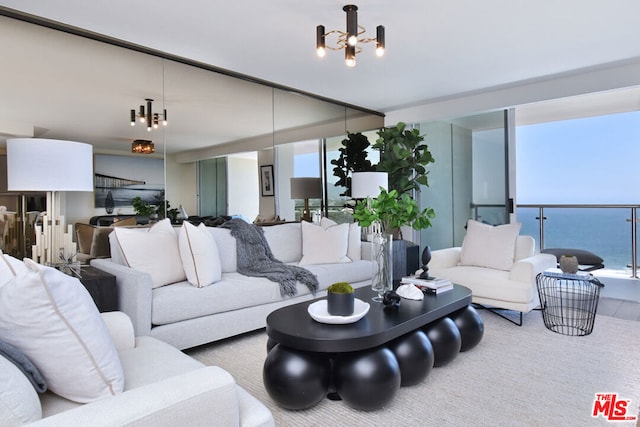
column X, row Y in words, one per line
column 120, row 329
column 205, row 396
column 526, row 269
column 134, row 293
column 445, row 258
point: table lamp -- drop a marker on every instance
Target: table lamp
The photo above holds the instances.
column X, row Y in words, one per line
column 366, row 185
column 306, row 188
column 51, row 165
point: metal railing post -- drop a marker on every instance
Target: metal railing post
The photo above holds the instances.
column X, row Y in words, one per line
column 634, row 263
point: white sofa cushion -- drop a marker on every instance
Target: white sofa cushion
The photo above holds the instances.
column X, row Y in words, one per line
column 226, row 248
column 285, row 241
column 488, row 246
column 354, row 245
column 52, row 319
column 153, row 251
column 19, row 403
column 324, row 245
column 199, row 254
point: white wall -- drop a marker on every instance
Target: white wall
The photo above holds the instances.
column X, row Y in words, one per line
column 243, row 187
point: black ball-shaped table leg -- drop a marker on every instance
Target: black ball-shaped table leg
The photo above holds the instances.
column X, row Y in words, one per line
column 415, row 356
column 367, row 380
column 270, row 344
column 445, row 339
column 296, row 379
column 470, row 325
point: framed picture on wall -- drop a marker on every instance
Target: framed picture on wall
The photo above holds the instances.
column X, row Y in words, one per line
column 266, row 180
column 118, row 179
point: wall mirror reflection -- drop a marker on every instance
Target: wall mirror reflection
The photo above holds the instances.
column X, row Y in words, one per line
column 221, row 126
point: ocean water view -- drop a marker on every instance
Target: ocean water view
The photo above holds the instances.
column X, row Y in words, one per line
column 604, row 231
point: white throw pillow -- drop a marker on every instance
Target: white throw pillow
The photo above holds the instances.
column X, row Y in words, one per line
column 488, row 246
column 354, row 248
column 199, row 254
column 19, row 402
column 324, row 245
column 9, row 268
column 154, row 252
column 52, row 319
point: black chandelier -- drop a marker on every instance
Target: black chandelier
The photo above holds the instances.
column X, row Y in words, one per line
column 143, row 146
column 349, row 40
column 149, row 117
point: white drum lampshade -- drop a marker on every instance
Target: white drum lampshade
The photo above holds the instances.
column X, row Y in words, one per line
column 35, row 164
column 366, row 185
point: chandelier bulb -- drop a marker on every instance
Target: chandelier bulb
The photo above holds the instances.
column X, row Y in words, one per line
column 351, row 62
column 380, row 51
column 321, row 52
column 352, row 40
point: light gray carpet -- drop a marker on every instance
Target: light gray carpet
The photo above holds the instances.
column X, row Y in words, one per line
column 516, row 376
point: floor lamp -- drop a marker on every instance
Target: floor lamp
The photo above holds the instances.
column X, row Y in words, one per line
column 306, row 188
column 53, row 166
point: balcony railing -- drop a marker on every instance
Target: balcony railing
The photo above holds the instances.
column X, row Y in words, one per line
column 610, row 231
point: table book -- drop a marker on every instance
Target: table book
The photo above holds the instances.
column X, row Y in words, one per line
column 434, row 285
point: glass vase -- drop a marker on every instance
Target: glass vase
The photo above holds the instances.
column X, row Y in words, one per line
column 382, row 253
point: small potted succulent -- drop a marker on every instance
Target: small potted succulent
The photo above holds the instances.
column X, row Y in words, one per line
column 340, row 299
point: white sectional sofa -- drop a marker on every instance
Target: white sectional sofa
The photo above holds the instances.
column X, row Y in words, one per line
column 497, row 264
column 185, row 315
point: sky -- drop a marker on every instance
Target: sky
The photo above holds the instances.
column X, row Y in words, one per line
column 581, row 161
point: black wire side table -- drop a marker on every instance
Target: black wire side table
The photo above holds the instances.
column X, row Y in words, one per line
column 568, row 304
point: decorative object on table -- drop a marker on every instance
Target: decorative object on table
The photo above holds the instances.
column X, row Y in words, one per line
column 410, row 291
column 433, row 285
column 306, row 188
column 369, row 186
column 109, row 203
column 569, row 264
column 30, row 168
column 391, row 300
column 426, row 258
column 266, row 181
column 348, row 40
column 318, row 312
column 382, row 257
column 340, row 299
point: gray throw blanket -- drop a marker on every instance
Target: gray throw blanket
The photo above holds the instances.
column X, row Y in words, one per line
column 23, row 363
column 255, row 259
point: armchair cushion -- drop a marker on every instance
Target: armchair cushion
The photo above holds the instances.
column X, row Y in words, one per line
column 19, row 403
column 52, row 319
column 488, row 246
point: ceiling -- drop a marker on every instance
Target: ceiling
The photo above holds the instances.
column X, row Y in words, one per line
column 435, row 50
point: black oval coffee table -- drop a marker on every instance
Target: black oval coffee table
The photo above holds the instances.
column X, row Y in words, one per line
column 364, row 363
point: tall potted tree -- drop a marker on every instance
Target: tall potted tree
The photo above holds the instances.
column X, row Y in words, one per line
column 405, row 157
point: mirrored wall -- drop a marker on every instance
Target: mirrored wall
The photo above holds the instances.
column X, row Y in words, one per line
column 61, row 84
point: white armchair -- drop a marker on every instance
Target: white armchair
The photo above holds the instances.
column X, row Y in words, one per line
column 163, row 387
column 514, row 289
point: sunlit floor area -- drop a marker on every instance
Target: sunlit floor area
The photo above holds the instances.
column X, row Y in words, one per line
column 621, row 309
